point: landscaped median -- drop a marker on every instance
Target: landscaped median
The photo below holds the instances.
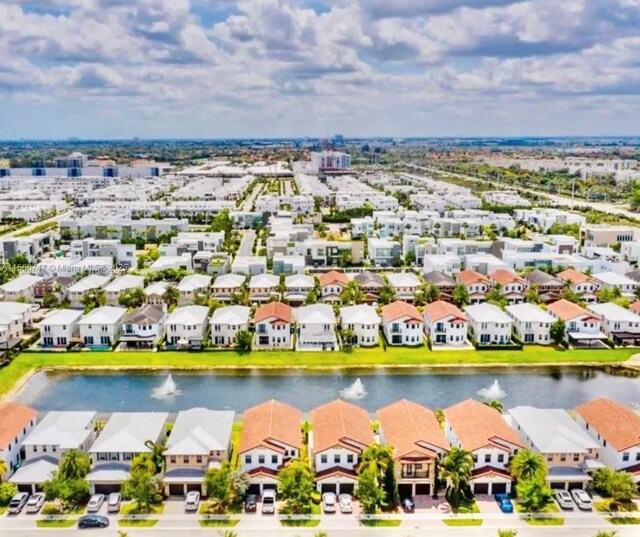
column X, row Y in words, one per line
column 358, row 358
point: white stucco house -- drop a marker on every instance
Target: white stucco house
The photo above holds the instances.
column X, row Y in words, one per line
column 192, row 286
column 21, row 287
column 101, row 327
column 186, row 326
column 363, row 321
column 59, row 327
column 273, row 324
column 119, row 285
column 530, row 323
column 316, row 328
column 402, row 324
column 226, row 322
column 488, row 324
column 445, row 324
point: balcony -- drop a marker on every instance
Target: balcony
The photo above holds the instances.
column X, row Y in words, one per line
column 414, row 474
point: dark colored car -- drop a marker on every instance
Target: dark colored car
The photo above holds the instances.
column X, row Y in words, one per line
column 251, row 503
column 93, row 521
column 504, row 503
column 408, row 505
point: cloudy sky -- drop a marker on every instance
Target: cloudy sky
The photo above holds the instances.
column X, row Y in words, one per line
column 253, row 68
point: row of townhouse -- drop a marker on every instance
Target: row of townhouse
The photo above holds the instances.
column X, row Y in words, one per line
column 604, row 433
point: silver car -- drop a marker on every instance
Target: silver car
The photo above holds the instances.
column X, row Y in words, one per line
column 192, row 501
column 17, row 503
column 582, row 499
column 564, row 499
column 114, row 502
column 329, row 502
column 95, row 503
column 35, row 503
column 346, row 503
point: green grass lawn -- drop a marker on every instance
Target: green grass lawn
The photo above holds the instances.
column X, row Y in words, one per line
column 467, row 508
column 545, row 521
column 56, row 523
column 236, row 432
column 142, row 523
column 551, row 507
column 218, row 523
column 421, row 356
column 463, row 521
column 132, row 509
column 607, row 505
column 308, row 523
column 623, row 521
column 381, row 523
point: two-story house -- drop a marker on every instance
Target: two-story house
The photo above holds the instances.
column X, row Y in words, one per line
column 340, row 433
column 143, row 326
column 226, row 286
column 200, row 439
column 414, row 434
column 297, row 287
column 583, row 327
column 92, row 282
column 273, row 323
column 405, row 285
column 530, row 323
column 20, row 288
column 121, row 284
column 101, row 327
column 16, row 421
column 371, row 284
column 192, row 286
column 548, row 286
column 582, row 284
column 317, row 328
column 477, row 284
column 442, row 281
column 488, row 324
column 513, row 287
column 186, row 326
column 226, row 322
column 59, row 327
column 263, row 287
column 445, row 324
column 481, row 430
column 621, row 325
column 363, row 322
column 271, row 437
column 402, row 324
column 332, row 284
column 154, row 293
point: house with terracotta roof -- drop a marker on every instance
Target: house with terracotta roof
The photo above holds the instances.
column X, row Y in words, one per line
column 271, row 437
column 332, row 284
column 363, row 321
column 340, row 433
column 477, row 284
column 580, row 283
column 549, row 287
column 414, row 434
column 273, row 322
column 402, row 324
column 513, row 287
column 16, row 422
column 445, row 324
column 583, row 326
column 635, row 307
column 616, row 429
column 481, row 429
column 488, row 324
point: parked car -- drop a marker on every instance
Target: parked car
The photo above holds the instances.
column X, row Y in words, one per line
column 114, row 502
column 346, row 503
column 269, row 502
column 35, row 503
column 582, row 499
column 504, row 503
column 251, row 503
column 93, row 521
column 408, row 505
column 329, row 502
column 192, row 501
column 95, row 503
column 17, row 503
column 564, row 499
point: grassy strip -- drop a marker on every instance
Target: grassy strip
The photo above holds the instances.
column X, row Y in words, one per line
column 218, row 523
column 141, row 523
column 308, row 523
column 132, row 509
column 545, row 521
column 463, row 521
column 381, row 523
column 622, row 521
column 56, row 523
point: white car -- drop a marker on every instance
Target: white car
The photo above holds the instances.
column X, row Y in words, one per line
column 564, row 499
column 192, row 502
column 95, row 503
column 329, row 502
column 17, row 503
column 113, row 502
column 35, row 503
column 582, row 499
column 346, row 503
column 269, row 502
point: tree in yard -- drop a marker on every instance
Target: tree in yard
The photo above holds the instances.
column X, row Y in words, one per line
column 348, row 338
column 534, row 494
column 70, row 492
column 4, row 468
column 390, row 485
column 397, row 261
column 410, row 258
column 460, row 295
column 352, row 294
column 240, row 482
column 143, row 488
column 369, row 491
column 7, row 491
column 533, row 294
column 171, row 295
column 386, row 294
column 132, row 298
column 376, row 458
column 296, row 486
column 74, row 464
column 92, row 299
column 7, row 273
column 615, row 484
column 456, row 468
column 244, row 340
column 143, row 462
column 217, row 482
column 494, row 296
column 19, row 259
column 558, row 331
column 157, row 453
column 527, row 465
column 50, row 301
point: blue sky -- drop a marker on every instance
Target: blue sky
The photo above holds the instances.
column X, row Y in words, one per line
column 250, row 68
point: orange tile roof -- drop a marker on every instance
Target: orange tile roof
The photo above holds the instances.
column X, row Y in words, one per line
column 440, row 309
column 468, row 276
column 268, row 422
column 635, row 306
column 567, row 310
column 397, row 309
column 573, row 276
column 477, row 425
column 13, row 418
column 617, row 423
column 333, row 277
column 406, row 425
column 503, row 277
column 340, row 424
column 282, row 312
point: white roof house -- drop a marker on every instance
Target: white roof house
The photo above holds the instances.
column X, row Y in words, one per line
column 127, row 432
column 34, row 472
column 199, row 431
column 61, row 317
column 486, row 313
column 403, row 279
column 614, row 313
column 20, row 284
column 156, row 288
column 188, row 315
column 193, row 282
column 228, row 281
column 93, row 281
column 262, row 281
column 173, row 262
column 316, row 314
column 103, row 315
column 526, row 312
column 65, row 430
column 614, row 280
column 359, row 314
column 302, row 281
column 122, row 283
column 232, row 315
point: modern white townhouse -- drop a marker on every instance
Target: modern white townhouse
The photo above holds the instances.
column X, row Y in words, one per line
column 297, row 287
column 580, row 283
column 192, row 286
column 247, row 264
column 20, row 288
column 363, row 322
column 119, row 285
column 143, row 326
column 488, row 324
column 154, row 293
column 186, row 326
column 316, row 328
column 164, row 262
column 101, row 327
column 271, row 436
column 402, row 324
column 273, row 325
column 481, row 430
column 531, row 323
column 449, row 264
column 226, row 286
column 564, row 445
column 445, row 325
column 405, row 285
column 616, row 429
column 621, row 325
column 332, row 284
column 92, row 282
column 226, row 322
column 613, row 280
column 59, row 328
column 382, row 252
column 11, row 329
column 17, row 422
column 22, row 311
column 125, row 435
column 263, row 287
column 340, row 433
column 583, row 327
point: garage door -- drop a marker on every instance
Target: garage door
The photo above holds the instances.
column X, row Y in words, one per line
column 404, row 490
column 176, row 490
column 194, row 486
column 481, row 488
column 499, row 488
column 254, row 489
column 107, row 489
column 347, row 488
column 557, row 486
column 423, row 489
column 270, row 486
column 25, row 488
column 576, row 486
column 328, row 487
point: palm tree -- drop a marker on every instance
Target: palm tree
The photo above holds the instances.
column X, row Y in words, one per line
column 460, row 295
column 456, row 468
column 171, row 295
column 376, row 458
column 527, row 465
column 352, row 294
column 74, row 464
column 157, row 452
column 4, row 468
column 495, row 404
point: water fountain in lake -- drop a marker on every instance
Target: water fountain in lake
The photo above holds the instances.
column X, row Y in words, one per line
column 167, row 389
column 492, row 393
column 355, row 391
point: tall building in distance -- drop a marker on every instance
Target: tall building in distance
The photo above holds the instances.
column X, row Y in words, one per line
column 328, row 161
